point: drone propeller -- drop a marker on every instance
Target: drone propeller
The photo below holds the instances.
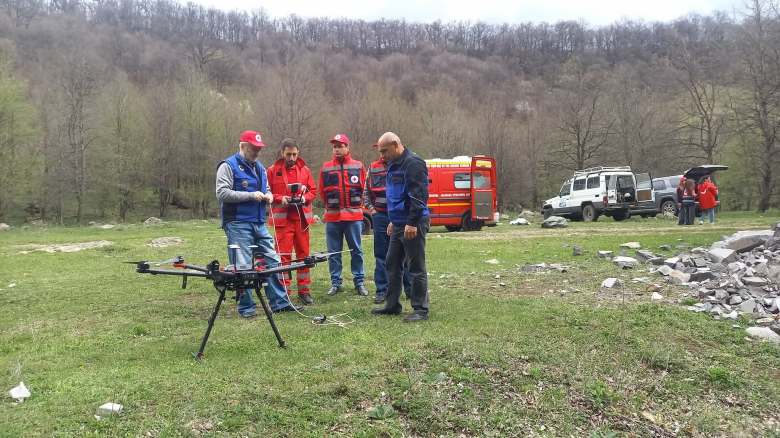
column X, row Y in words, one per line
column 178, row 260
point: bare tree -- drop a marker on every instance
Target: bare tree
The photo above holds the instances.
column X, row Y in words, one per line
column 585, row 124
column 757, row 110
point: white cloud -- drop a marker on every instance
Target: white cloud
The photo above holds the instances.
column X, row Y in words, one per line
column 596, row 12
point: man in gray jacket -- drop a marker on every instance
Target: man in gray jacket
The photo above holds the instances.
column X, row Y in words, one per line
column 243, row 193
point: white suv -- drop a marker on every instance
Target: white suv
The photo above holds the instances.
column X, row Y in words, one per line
column 611, row 191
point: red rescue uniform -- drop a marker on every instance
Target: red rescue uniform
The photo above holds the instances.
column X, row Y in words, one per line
column 292, row 221
column 341, row 189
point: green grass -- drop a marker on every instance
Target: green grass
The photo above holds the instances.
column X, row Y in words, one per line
column 545, row 354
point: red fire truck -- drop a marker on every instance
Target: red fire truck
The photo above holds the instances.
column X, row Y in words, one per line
column 461, row 193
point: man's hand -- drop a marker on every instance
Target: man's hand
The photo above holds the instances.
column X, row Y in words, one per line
column 259, row 196
column 390, row 229
column 410, row 232
column 285, row 200
column 372, row 211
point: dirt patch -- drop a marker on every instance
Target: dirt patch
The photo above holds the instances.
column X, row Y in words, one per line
column 533, row 233
column 64, row 247
column 164, row 242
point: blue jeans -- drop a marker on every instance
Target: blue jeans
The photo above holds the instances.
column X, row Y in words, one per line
column 335, row 234
column 381, row 242
column 245, row 234
column 709, row 213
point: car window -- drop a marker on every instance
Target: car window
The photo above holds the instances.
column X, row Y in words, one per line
column 674, row 181
column 481, row 180
column 659, row 184
column 593, row 182
column 462, row 181
column 566, row 188
column 625, row 181
column 579, row 184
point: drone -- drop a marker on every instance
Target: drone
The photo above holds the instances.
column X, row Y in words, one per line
column 231, row 277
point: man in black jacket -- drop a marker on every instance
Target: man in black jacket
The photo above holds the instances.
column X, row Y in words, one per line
column 407, row 208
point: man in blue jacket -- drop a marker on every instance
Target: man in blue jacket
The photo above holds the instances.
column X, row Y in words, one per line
column 243, row 193
column 407, row 208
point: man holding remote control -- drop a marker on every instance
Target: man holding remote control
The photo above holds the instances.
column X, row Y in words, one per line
column 292, row 185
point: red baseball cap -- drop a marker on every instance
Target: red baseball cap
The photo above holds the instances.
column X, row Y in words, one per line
column 340, row 138
column 253, row 138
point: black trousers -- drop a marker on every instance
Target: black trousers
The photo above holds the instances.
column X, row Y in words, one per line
column 413, row 251
column 687, row 213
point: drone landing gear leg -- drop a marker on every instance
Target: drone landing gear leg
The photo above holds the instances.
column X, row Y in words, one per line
column 199, row 355
column 270, row 316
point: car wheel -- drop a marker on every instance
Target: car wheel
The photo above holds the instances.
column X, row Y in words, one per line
column 589, row 214
column 469, row 225
column 547, row 212
column 620, row 215
column 669, row 208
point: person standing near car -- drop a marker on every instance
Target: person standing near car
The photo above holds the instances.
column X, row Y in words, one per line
column 341, row 189
column 686, row 201
column 708, row 199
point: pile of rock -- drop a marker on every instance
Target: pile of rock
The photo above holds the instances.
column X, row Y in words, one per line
column 739, row 275
column 543, row 267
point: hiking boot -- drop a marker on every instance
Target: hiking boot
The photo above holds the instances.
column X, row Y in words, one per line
column 386, row 311
column 334, row 290
column 306, row 299
column 361, row 290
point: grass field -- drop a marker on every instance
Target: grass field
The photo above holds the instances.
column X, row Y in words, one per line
column 504, row 353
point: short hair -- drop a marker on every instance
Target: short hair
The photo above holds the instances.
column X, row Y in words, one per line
column 289, row 143
column 389, row 137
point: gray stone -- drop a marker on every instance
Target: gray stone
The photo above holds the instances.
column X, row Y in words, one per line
column 644, row 255
column 735, row 299
column 733, row 315
column 611, row 282
column 678, row 277
column 664, row 270
column 773, row 273
column 704, row 292
column 754, row 281
column 702, row 275
column 152, row 221
column 4, row 226
column 519, row 221
column 764, row 333
column 631, row 245
column 736, row 266
column 555, row 222
column 743, row 241
column 656, row 261
column 576, row 250
column 656, row 296
column 625, row 262
column 722, row 255
column 665, row 247
column 747, row 306
column 721, row 294
column 672, row 261
column 605, row 254
column 700, row 262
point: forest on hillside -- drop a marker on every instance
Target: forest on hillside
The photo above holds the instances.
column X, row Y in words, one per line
column 120, row 109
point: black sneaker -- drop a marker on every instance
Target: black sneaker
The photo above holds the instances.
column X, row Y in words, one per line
column 334, row 290
column 361, row 290
column 416, row 317
column 386, row 311
column 306, row 299
column 379, row 299
column 289, row 308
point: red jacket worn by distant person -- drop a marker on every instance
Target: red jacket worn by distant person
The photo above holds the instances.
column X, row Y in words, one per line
column 708, row 193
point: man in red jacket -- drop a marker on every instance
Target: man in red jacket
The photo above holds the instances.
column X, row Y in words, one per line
column 708, row 199
column 292, row 186
column 341, row 190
